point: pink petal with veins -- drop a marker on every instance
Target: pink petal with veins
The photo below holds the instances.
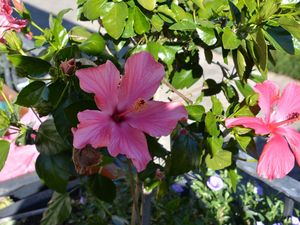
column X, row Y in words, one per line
column 276, row 160
column 158, row 118
column 257, row 124
column 141, row 80
column 268, row 95
column 130, row 142
column 94, row 129
column 102, row 81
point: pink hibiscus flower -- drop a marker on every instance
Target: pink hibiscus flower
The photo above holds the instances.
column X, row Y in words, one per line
column 283, row 145
column 7, row 21
column 127, row 110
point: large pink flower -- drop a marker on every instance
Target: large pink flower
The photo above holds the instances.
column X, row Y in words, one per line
column 283, row 146
column 127, row 110
column 7, row 21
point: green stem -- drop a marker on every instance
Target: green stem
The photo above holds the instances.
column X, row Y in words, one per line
column 39, row 79
column 11, row 109
column 37, row 26
column 134, row 187
column 62, row 95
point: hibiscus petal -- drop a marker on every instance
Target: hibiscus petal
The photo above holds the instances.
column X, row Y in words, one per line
column 94, row 129
column 289, row 103
column 293, row 138
column 257, row 124
column 268, row 95
column 103, row 81
column 158, row 118
column 130, row 142
column 276, row 160
column 141, row 80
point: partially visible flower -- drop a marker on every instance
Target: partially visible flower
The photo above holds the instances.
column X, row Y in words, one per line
column 177, row 188
column 283, row 146
column 7, row 21
column 259, row 223
column 159, row 175
column 277, row 223
column 127, row 111
column 68, row 67
column 258, row 190
column 215, row 183
column 295, row 220
column 19, row 5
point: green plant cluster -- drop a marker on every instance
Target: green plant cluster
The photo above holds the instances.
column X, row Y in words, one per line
column 173, row 32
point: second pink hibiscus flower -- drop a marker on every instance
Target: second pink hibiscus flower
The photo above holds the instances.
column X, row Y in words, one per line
column 127, row 110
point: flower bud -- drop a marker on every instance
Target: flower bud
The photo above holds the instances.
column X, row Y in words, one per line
column 68, row 67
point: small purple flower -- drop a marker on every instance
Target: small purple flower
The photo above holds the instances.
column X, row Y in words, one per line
column 259, row 223
column 177, row 188
column 215, row 183
column 277, row 223
column 258, row 190
column 295, row 220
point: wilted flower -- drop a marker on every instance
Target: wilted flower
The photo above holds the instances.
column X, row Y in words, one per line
column 7, row 21
column 68, row 67
column 283, row 146
column 215, row 183
column 127, row 110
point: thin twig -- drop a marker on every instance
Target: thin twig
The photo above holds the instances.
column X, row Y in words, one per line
column 36, row 115
column 170, row 86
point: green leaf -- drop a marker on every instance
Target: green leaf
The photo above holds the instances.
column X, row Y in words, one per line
column 66, row 53
column 114, row 21
column 261, row 51
column 59, row 209
column 107, row 187
column 291, row 25
column 229, row 39
column 48, row 141
column 211, row 124
column 157, row 22
column 195, row 112
column 155, row 148
column 92, row 9
column 32, row 94
column 234, row 178
column 129, row 30
column 94, row 45
column 280, row 38
column 235, row 12
column 13, row 40
column 184, row 78
column 243, row 141
column 219, row 161
column 207, row 35
column 4, row 120
column 29, row 66
column 239, row 62
column 79, row 34
column 141, row 24
column 55, row 170
column 148, row 4
column 60, row 34
column 184, row 25
column 4, row 149
column 188, row 151
column 217, row 107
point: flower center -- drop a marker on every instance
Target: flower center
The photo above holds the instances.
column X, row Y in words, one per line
column 139, row 105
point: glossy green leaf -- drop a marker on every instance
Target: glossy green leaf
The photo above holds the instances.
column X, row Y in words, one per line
column 280, row 39
column 92, row 9
column 188, row 151
column 60, row 34
column 94, row 45
column 48, row 141
column 79, row 34
column 24, row 66
column 229, row 39
column 211, row 124
column 291, row 25
column 59, row 209
column 129, row 29
column 207, row 35
column 115, row 20
column 141, row 24
column 4, row 149
column 261, row 51
column 217, row 107
column 55, row 170
column 220, row 160
column 195, row 112
column 107, row 187
column 148, row 4
column 240, row 63
column 243, row 141
column 32, row 94
column 184, row 25
column 184, row 78
column 157, row 23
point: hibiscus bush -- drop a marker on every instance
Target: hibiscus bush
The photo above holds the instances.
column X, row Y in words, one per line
column 95, row 93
